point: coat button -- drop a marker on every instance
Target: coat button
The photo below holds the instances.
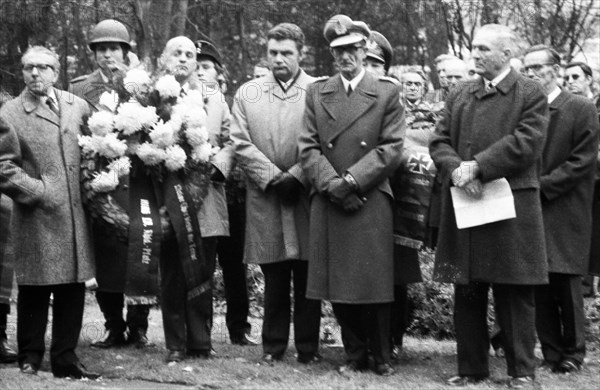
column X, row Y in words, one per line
column 363, row 144
column 330, row 146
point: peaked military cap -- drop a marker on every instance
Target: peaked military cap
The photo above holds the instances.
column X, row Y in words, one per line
column 207, row 49
column 379, row 48
column 340, row 30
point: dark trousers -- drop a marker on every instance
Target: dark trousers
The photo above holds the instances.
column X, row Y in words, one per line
column 112, row 303
column 515, row 311
column 276, row 322
column 32, row 317
column 4, row 311
column 560, row 319
column 230, row 252
column 365, row 327
column 187, row 324
column 399, row 314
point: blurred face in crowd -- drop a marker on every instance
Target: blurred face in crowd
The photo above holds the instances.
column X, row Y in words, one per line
column 39, row 72
column 259, row 71
column 207, row 71
column 413, row 86
column 179, row 58
column 538, row 66
column 471, row 72
column 577, row 82
column 489, row 54
column 109, row 55
column 349, row 59
column 284, row 58
column 455, row 71
column 374, row 66
column 441, row 72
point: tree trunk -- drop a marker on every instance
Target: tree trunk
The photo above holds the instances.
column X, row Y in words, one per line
column 179, row 18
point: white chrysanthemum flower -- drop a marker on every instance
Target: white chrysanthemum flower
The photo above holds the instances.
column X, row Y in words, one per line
column 110, row 100
column 133, row 117
column 175, row 159
column 176, row 122
column 163, row 135
column 136, row 80
column 150, row 154
column 196, row 136
column 194, row 118
column 111, row 147
column 87, row 144
column 101, row 123
column 167, row 87
column 121, row 166
column 105, row 181
column 202, row 152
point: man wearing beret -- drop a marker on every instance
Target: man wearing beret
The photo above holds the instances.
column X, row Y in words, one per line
column 351, row 143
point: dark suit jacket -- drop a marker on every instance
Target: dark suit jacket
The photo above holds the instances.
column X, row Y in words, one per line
column 504, row 131
column 567, row 182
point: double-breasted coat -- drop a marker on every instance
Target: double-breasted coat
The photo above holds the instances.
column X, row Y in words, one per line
column 351, row 258
column 39, row 161
column 266, row 124
column 503, row 129
column 567, row 182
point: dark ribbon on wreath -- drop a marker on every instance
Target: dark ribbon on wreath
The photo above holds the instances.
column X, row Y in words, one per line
column 182, row 206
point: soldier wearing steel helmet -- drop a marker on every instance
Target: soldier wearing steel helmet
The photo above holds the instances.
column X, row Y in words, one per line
column 351, row 143
column 109, row 40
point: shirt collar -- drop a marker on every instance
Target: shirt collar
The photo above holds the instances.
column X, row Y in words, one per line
column 354, row 82
column 554, row 94
column 50, row 95
column 496, row 80
column 287, row 84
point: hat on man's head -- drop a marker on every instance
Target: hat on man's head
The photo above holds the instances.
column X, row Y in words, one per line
column 207, row 49
column 379, row 48
column 340, row 30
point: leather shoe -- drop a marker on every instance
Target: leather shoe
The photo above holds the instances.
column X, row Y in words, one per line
column 568, row 366
column 111, row 339
column 242, row 340
column 7, row 354
column 352, row 366
column 175, row 356
column 138, row 338
column 29, row 369
column 309, row 358
column 384, row 369
column 75, row 371
column 201, row 353
column 521, row 382
column 464, row 380
column 269, row 359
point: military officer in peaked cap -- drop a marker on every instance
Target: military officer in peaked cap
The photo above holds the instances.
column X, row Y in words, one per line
column 379, row 54
column 351, row 143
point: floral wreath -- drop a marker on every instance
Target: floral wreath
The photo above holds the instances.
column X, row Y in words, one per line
column 149, row 121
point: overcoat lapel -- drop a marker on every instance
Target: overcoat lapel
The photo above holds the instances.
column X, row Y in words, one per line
column 65, row 102
column 345, row 115
column 558, row 101
column 298, row 87
column 32, row 103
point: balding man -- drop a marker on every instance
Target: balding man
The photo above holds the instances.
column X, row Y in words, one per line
column 493, row 128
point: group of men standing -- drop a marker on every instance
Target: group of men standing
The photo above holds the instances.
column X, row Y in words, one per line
column 317, row 156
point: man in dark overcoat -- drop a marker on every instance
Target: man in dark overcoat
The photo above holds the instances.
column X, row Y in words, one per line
column 351, row 144
column 493, row 128
column 567, row 188
column 109, row 40
column 39, row 170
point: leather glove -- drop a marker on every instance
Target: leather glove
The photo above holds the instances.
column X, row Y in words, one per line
column 353, row 203
column 287, row 187
column 338, row 190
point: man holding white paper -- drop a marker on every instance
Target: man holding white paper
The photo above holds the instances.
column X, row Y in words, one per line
column 493, row 128
column 567, row 188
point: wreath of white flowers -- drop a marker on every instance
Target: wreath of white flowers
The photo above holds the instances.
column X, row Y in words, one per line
column 176, row 141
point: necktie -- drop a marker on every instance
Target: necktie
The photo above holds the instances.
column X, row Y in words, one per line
column 349, row 90
column 50, row 103
column 489, row 86
column 182, row 93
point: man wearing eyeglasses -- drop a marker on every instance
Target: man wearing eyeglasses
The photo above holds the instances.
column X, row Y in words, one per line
column 566, row 186
column 351, row 143
column 39, row 165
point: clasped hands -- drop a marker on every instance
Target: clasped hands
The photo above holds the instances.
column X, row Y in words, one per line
column 342, row 193
column 466, row 178
column 287, row 187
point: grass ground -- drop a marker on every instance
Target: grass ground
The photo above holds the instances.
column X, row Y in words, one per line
column 425, row 364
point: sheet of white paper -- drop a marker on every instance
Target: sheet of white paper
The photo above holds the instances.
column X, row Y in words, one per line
column 496, row 204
